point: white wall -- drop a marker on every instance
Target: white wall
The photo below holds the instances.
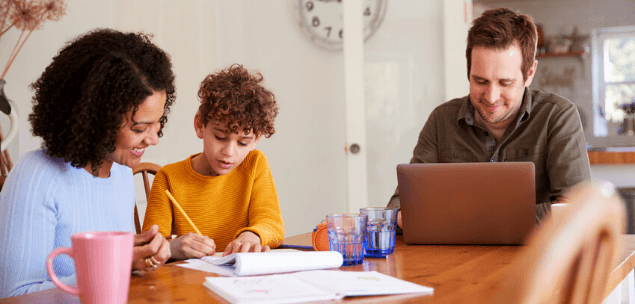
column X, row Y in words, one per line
column 404, row 82
column 37, row 53
column 184, row 29
column 457, row 20
column 559, row 17
column 307, row 152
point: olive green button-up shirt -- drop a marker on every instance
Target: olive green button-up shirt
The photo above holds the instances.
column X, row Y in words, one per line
column 547, row 131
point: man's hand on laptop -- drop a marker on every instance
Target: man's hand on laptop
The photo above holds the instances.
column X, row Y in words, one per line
column 399, row 218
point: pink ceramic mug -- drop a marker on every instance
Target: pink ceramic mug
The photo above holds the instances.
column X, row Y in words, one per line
column 103, row 262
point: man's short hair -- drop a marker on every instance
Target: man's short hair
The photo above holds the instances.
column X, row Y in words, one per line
column 500, row 28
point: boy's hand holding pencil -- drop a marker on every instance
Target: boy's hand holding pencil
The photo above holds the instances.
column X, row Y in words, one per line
column 190, row 244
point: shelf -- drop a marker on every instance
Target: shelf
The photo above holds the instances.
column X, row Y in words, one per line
column 567, row 54
column 603, row 157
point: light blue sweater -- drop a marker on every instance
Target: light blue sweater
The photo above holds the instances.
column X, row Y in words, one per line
column 42, row 203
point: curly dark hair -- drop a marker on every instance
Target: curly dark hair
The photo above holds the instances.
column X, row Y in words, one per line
column 235, row 96
column 82, row 98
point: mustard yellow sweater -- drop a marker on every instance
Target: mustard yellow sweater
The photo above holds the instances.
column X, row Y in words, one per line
column 221, row 206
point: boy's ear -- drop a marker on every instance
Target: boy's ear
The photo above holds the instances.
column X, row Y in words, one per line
column 199, row 127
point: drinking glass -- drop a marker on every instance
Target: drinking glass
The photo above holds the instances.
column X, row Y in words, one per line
column 380, row 231
column 346, row 235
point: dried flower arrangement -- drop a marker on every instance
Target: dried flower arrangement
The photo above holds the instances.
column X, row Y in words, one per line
column 27, row 16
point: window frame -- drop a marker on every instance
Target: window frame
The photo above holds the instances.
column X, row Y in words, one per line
column 599, row 123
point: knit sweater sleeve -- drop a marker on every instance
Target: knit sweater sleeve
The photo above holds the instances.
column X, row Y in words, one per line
column 159, row 209
column 265, row 217
column 28, row 217
column 43, row 202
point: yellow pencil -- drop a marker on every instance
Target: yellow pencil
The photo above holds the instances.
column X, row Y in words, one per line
column 181, row 209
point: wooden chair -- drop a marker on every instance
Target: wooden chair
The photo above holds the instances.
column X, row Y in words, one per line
column 144, row 169
column 570, row 256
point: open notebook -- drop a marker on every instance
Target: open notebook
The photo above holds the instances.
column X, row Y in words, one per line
column 306, row 286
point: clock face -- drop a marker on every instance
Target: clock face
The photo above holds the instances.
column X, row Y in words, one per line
column 322, row 21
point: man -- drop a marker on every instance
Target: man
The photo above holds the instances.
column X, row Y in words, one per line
column 502, row 119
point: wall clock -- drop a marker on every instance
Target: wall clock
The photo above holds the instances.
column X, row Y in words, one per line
column 322, row 20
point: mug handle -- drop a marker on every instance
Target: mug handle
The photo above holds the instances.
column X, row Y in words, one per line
column 51, row 272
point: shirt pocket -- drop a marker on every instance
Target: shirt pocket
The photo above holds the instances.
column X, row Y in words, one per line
column 530, row 153
column 457, row 156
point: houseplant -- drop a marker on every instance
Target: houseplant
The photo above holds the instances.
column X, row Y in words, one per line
column 628, row 123
column 620, row 107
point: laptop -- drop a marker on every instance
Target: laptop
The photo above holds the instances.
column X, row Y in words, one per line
column 467, row 203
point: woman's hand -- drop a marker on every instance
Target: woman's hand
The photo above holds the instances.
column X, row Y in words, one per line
column 192, row 245
column 246, row 241
column 150, row 250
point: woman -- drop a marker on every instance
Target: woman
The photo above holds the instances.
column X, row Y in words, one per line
column 97, row 106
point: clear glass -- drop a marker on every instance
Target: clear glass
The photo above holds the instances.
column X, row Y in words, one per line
column 619, row 64
column 381, row 230
column 347, row 233
column 619, row 88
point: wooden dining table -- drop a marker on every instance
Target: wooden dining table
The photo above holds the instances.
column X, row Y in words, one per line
column 458, row 274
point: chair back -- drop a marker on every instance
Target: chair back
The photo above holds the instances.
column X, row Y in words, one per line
column 569, row 257
column 144, row 169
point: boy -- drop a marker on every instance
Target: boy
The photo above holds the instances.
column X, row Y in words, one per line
column 227, row 190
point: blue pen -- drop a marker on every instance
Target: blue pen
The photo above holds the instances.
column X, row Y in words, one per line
column 296, row 246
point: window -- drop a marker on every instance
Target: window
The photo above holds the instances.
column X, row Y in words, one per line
column 613, row 87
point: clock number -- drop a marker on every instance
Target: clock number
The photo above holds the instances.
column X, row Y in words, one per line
column 367, row 11
column 342, row 34
column 309, row 6
column 315, row 22
column 328, row 31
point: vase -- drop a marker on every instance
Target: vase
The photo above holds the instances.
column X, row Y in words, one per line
column 628, row 125
column 4, row 101
column 9, row 108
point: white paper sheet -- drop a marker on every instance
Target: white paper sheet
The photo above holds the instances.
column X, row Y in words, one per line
column 279, row 261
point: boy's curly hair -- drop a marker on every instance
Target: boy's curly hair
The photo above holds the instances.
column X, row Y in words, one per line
column 235, row 96
column 82, row 97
